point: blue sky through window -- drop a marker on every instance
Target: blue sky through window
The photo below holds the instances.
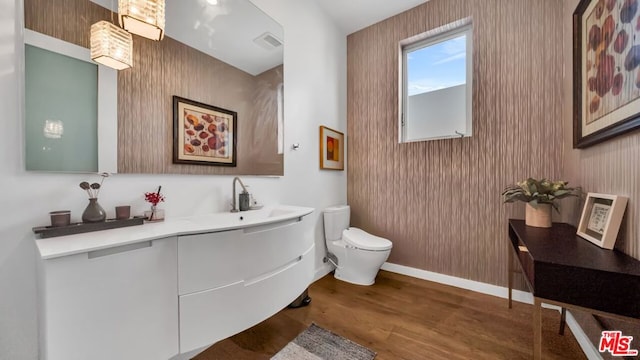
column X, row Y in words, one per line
column 437, row 66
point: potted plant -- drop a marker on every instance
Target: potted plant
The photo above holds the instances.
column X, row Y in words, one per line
column 540, row 196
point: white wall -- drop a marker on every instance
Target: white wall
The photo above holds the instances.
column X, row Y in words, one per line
column 315, row 94
column 437, row 113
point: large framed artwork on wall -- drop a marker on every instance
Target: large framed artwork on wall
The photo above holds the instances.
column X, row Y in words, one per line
column 606, row 70
column 203, row 134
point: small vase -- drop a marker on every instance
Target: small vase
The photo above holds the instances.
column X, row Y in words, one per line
column 154, row 214
column 94, row 212
column 539, row 216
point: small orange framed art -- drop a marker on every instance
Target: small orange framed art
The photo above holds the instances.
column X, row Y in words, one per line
column 331, row 149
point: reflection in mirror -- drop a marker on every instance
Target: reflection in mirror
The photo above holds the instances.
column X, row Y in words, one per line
column 62, row 107
column 225, row 53
column 233, row 31
column 237, row 33
column 58, row 90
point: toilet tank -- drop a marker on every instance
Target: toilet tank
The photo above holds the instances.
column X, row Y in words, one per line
column 336, row 219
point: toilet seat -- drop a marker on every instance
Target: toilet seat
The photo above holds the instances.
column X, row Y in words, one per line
column 361, row 239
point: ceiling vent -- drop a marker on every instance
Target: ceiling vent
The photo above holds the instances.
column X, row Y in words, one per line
column 268, row 41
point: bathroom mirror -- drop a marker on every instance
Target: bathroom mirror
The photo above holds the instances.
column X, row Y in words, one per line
column 206, row 41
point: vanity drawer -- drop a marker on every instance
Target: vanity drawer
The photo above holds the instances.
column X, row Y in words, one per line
column 208, row 261
column 527, row 263
column 212, row 315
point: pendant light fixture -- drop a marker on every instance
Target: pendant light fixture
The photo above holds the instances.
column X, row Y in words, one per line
column 142, row 17
column 111, row 45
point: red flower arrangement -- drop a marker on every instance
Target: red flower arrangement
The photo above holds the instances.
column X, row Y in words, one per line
column 154, row 197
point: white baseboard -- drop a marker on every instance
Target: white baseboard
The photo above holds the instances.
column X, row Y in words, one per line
column 589, row 349
column 484, row 288
column 521, row 296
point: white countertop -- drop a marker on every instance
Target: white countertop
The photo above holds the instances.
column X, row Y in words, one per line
column 54, row 247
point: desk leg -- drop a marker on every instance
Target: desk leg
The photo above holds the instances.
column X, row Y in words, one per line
column 563, row 320
column 510, row 272
column 537, row 328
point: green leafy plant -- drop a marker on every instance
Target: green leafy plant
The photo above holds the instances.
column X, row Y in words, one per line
column 536, row 192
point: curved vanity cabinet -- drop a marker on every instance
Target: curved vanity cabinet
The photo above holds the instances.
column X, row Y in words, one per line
column 228, row 281
column 106, row 303
column 172, row 296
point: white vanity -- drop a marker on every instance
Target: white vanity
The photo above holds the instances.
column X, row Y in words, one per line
column 168, row 290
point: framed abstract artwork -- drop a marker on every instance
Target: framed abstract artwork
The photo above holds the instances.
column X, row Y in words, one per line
column 203, row 134
column 606, row 70
column 331, row 149
column 601, row 218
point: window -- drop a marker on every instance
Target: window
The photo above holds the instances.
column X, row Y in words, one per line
column 436, row 92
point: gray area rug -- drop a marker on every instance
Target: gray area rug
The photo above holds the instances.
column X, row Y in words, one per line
column 316, row 343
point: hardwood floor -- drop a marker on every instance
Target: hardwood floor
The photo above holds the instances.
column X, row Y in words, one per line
column 401, row 317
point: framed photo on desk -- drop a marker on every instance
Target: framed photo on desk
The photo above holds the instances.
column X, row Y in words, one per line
column 601, row 218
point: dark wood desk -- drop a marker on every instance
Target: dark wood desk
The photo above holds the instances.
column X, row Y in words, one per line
column 563, row 269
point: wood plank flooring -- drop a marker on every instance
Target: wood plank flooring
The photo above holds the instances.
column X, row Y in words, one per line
column 401, row 317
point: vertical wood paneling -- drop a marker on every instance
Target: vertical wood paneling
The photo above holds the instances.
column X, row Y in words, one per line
column 439, row 201
column 162, row 69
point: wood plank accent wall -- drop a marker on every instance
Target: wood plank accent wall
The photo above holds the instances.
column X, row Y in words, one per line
column 439, row 201
column 163, row 69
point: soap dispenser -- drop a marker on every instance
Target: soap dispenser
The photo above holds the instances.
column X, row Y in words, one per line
column 244, row 200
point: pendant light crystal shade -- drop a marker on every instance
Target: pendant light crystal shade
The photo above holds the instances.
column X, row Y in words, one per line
column 111, row 45
column 142, row 17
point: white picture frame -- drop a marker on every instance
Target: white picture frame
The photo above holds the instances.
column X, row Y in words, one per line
column 601, row 218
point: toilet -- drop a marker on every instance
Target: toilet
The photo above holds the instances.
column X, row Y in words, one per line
column 359, row 254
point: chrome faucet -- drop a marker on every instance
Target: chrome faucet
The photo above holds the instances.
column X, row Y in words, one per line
column 234, row 207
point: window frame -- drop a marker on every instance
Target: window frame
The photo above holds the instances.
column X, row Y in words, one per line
column 426, row 39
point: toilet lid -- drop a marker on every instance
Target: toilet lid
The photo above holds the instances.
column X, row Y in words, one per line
column 365, row 241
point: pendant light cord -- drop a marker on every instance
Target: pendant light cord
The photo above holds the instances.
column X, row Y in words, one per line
column 111, row 8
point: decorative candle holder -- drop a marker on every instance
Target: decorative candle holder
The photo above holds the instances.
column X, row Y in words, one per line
column 123, row 212
column 60, row 218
